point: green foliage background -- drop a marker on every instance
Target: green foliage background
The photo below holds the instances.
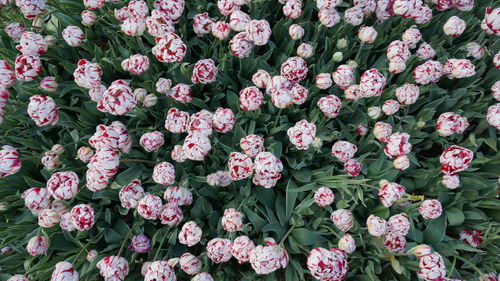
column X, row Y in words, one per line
column 269, row 212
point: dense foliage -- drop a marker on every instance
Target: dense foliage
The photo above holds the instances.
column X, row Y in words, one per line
column 285, row 210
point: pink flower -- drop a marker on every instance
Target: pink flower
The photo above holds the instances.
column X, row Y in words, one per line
column 93, row 4
column 430, row 209
column 87, row 74
column 219, row 178
column 36, row 199
column 15, row 30
column 295, row 31
column 64, row 271
column 342, row 218
column 323, row 81
column 96, row 181
column 113, row 268
column 42, row 109
column 163, row 85
column 455, row 159
column 391, row 192
column 493, row 116
column 219, row 250
column 353, row 167
column 203, row 276
column 136, row 64
column 343, row 150
column 196, row 147
column 398, row 144
column 178, row 195
column 472, row 237
column 361, row 129
column 49, row 84
column 133, row 26
column 190, row 263
column 265, row 259
column 118, row 99
column 204, row 72
column 259, row 32
column 408, row 93
column 201, row 123
column 328, row 17
column 432, row 267
column 305, row 50
column 354, row 15
column 159, row 23
column 159, row 270
column 73, row 35
column 190, row 234
column 178, row 154
column 324, row 196
column 302, row 134
column 164, row 173
column 425, row 51
column 368, row 6
column 240, row 45
column 251, row 98
column 106, row 162
column 7, row 75
column 220, row 30
column 327, row 264
column 140, row 243
column 232, row 220
column 152, row 141
column 399, row 224
column 227, row 7
column 449, row 123
column 48, row 218
column 91, row 255
column 429, row 72
column 490, row 23
column 382, row 131
column 402, row 162
column 261, row 78
column 343, row 76
column 9, row 161
column 173, row 8
column 63, row 185
column 252, row 145
column 411, row 37
column 399, row 49
column 404, row 8
column 240, row 166
column 347, row 244
column 241, row 247
column 327, row 4
column 292, row 9
column 31, row 8
column 294, row 69
column 150, row 207
column 394, row 243
column 202, row 24
column 376, row 226
column 88, row 18
column 421, row 250
column 371, row 83
column 459, row 68
column 454, row 26
column 27, row 67
column 131, row 194
column 176, row 121
column 181, row 93
column 37, row 245
column 451, row 182
column 367, row 34
column 32, row 44
column 267, row 169
column 169, row 48
column 223, row 120
column 171, row 215
column 238, row 21
column 83, row 217
column 390, row 107
column 330, row 105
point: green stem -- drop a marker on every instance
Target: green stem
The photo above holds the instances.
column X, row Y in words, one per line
column 159, row 246
column 369, row 185
column 137, row 161
column 125, row 241
column 286, row 234
column 359, row 52
column 471, row 265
